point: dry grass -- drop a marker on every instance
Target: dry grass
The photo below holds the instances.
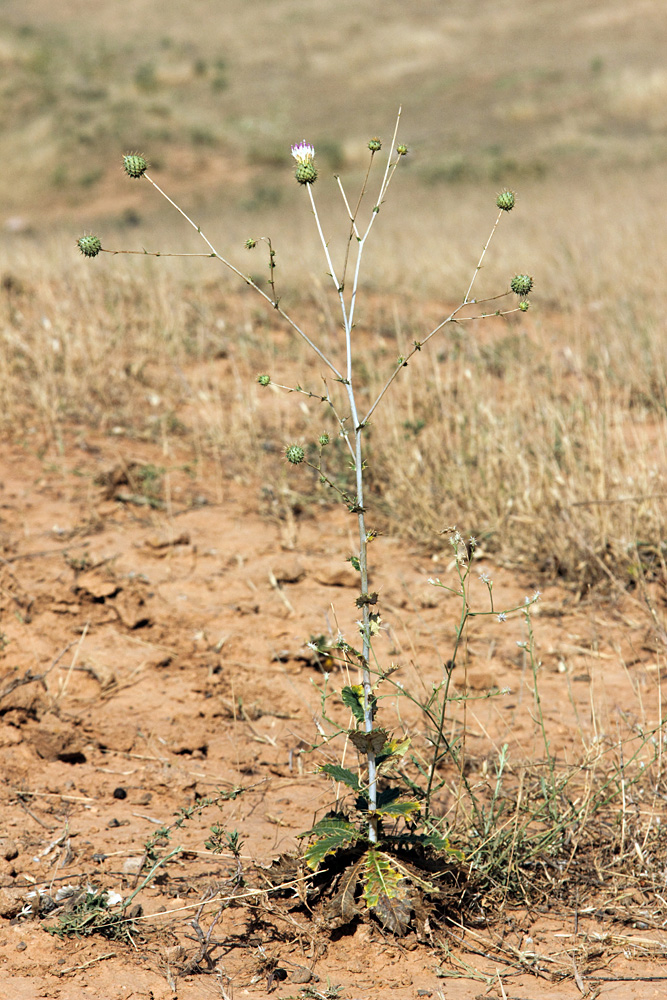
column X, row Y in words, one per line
column 544, row 436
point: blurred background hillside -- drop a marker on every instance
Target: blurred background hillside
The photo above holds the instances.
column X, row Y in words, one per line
column 497, row 91
column 564, row 102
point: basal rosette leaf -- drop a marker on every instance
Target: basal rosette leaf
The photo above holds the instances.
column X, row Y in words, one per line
column 343, row 908
column 387, row 891
column 381, row 877
column 394, row 913
column 331, row 834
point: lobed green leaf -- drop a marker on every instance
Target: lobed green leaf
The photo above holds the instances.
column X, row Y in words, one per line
column 352, row 696
column 331, row 833
column 339, row 773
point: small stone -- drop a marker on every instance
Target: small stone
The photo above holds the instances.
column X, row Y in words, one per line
column 338, row 576
column 21, row 946
column 247, row 608
column 288, row 571
column 175, row 954
column 96, row 586
column 54, row 740
column 132, row 866
column 119, row 793
column 11, row 902
column 10, row 849
column 302, row 975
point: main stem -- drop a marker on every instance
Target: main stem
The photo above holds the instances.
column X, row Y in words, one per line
column 348, row 323
column 366, row 616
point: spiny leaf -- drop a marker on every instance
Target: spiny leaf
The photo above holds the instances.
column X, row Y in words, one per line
column 411, row 873
column 407, row 810
column 387, row 890
column 352, row 696
column 396, row 748
column 388, row 795
column 339, row 773
column 381, row 877
column 391, row 754
column 331, row 834
column 440, row 843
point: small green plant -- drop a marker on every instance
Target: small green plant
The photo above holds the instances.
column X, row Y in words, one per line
column 219, row 840
column 92, row 911
column 387, row 879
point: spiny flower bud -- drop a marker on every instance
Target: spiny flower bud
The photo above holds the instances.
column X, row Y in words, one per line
column 250, row 244
column 306, row 172
column 134, row 165
column 402, row 150
column 89, row 246
column 375, row 145
column 264, row 379
column 295, row 454
column 524, row 305
column 323, row 439
column 506, row 201
column 521, row 284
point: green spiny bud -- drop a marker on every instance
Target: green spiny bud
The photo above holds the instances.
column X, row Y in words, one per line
column 250, row 244
column 506, row 201
column 521, row 284
column 402, row 150
column 524, row 305
column 264, row 379
column 375, row 145
column 294, row 454
column 134, row 165
column 89, row 246
column 323, row 439
column 306, row 173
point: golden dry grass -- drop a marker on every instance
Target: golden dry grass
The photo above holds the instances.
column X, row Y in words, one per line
column 543, row 435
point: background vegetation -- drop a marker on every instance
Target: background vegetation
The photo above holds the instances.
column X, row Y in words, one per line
column 549, row 430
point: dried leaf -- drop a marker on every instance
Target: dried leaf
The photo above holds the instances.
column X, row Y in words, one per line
column 368, row 742
column 342, row 908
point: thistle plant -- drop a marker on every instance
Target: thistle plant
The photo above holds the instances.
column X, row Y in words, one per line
column 342, row 393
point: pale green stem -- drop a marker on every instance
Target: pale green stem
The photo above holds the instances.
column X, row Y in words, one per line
column 366, row 624
column 481, row 259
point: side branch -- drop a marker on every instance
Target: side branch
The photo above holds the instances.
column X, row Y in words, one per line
column 248, row 280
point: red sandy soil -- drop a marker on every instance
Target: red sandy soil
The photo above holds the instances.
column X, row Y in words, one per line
column 167, row 651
